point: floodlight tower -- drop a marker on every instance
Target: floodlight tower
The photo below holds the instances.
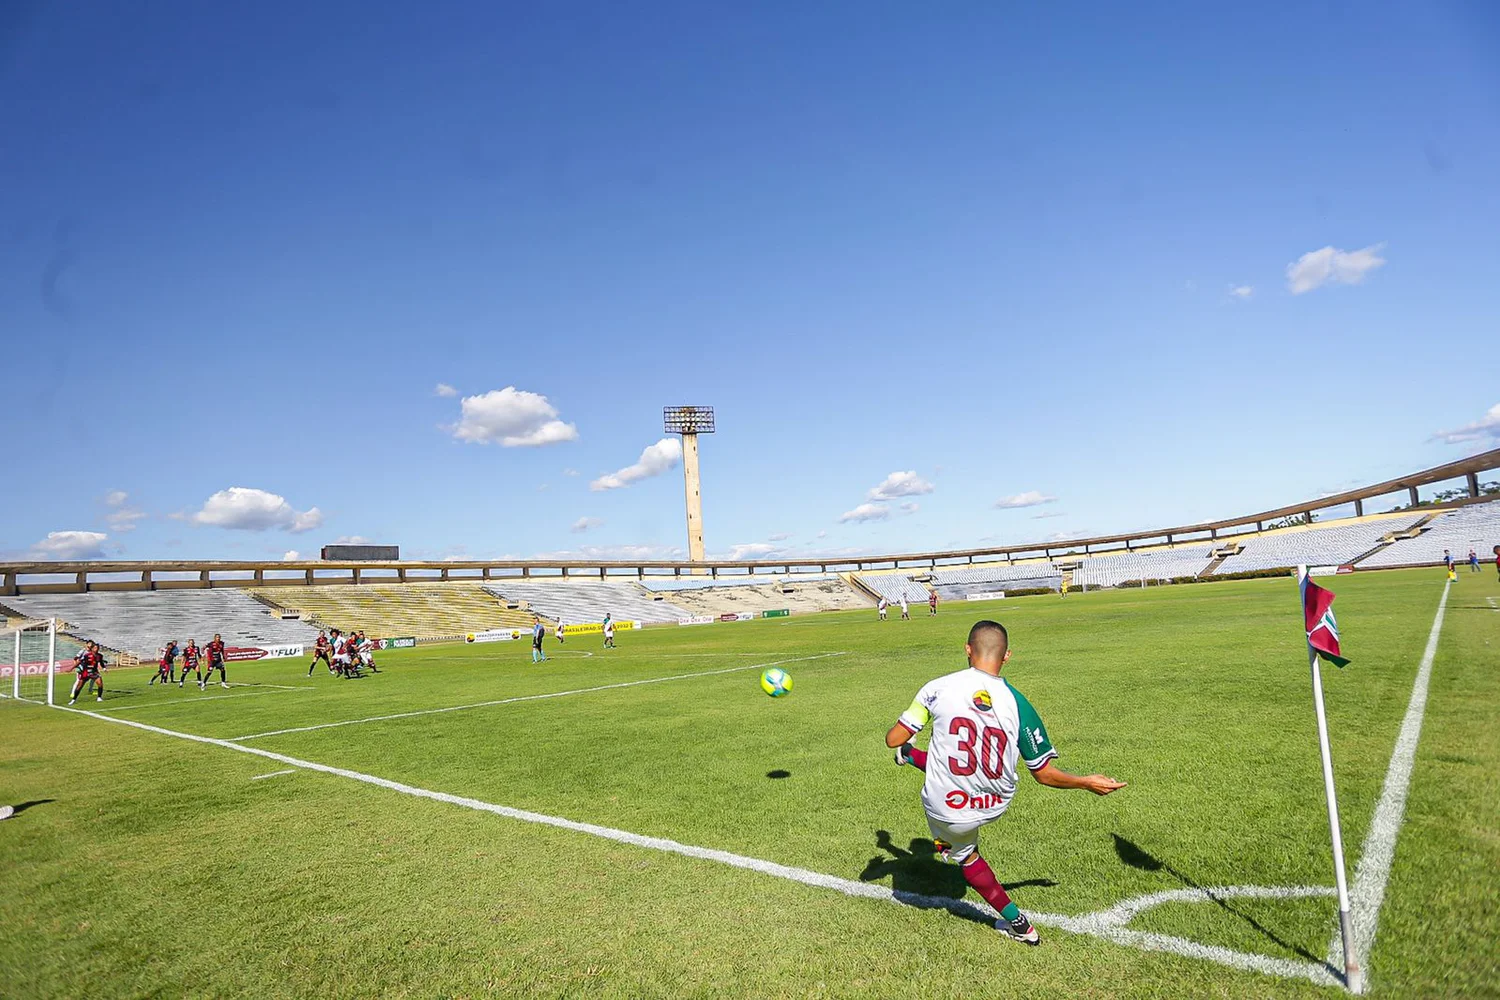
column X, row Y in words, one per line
column 690, row 421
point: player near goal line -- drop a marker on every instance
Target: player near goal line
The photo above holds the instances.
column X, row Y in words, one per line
column 980, row 728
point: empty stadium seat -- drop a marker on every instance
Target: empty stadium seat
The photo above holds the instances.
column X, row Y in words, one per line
column 1476, row 527
column 141, row 622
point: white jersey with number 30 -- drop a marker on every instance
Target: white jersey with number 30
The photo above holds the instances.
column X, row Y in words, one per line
column 980, row 727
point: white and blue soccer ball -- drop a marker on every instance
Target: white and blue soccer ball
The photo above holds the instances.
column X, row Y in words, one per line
column 776, row 682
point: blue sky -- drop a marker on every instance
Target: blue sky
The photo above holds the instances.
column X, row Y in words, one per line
column 1158, row 263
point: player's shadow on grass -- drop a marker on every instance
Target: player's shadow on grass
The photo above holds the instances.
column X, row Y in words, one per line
column 21, row 807
column 1135, row 857
column 917, row 869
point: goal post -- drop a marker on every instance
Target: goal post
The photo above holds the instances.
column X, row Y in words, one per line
column 30, row 661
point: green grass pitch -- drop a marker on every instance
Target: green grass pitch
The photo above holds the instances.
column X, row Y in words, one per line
column 153, row 866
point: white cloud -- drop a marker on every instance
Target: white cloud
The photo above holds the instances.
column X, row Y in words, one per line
column 751, row 550
column 351, row 540
column 900, row 484
column 1065, row 536
column 1317, row 268
column 1028, row 499
column 291, row 555
column 70, row 545
column 570, row 472
column 445, row 390
column 655, row 460
column 124, row 519
column 910, row 507
column 246, row 509
column 780, row 536
column 865, row 512
column 1048, row 513
column 1486, row 428
column 121, row 518
column 585, row 523
column 1241, row 291
column 513, row 417
column 823, row 534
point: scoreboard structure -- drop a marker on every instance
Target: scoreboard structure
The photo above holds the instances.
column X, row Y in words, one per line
column 361, row 553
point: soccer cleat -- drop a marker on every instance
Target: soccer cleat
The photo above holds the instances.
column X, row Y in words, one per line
column 223, row 684
column 100, row 698
column 202, row 686
column 1019, row 929
column 71, row 700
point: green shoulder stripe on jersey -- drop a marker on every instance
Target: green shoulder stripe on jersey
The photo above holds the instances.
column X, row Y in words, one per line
column 1035, row 747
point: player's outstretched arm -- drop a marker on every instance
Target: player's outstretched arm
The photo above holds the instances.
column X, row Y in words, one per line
column 1053, row 776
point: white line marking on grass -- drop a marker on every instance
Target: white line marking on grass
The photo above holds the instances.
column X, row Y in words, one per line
column 1105, row 925
column 530, row 697
column 275, row 774
column 1379, row 850
column 1493, row 605
column 189, row 700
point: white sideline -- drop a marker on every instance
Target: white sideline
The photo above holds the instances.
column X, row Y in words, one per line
column 531, row 697
column 1379, row 851
column 1105, row 925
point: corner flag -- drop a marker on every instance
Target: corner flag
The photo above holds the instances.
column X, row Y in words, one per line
column 1323, row 640
column 1322, row 629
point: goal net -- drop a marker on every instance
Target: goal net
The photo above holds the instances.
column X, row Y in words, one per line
column 32, row 654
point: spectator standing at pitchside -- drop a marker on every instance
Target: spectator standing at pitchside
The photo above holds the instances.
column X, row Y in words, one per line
column 932, row 604
column 609, row 631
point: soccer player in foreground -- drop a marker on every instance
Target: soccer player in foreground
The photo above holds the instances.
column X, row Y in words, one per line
column 88, row 668
column 216, row 659
column 191, row 656
column 980, row 727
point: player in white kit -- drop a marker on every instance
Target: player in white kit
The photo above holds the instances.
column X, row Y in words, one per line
column 980, row 727
column 905, row 609
column 880, row 606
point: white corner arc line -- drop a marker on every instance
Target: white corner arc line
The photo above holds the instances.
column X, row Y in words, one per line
column 529, row 697
column 1379, row 851
column 274, row 774
column 1108, row 931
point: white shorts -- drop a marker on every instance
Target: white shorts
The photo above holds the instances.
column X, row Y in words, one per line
column 956, row 842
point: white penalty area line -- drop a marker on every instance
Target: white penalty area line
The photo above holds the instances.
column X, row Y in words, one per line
column 274, row 774
column 1107, row 925
column 1379, row 851
column 531, row 697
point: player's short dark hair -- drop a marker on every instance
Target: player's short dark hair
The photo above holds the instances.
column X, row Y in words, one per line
column 989, row 640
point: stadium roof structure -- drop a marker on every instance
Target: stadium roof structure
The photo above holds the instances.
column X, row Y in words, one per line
column 20, row 577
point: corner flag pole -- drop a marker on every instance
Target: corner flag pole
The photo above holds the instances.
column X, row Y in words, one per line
column 1353, row 976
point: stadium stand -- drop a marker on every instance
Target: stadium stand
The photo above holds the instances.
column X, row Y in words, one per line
column 675, row 584
column 425, row 610
column 1476, row 527
column 892, row 585
column 799, row 595
column 140, row 622
column 958, row 584
column 1325, row 545
column 577, row 601
column 1164, row 564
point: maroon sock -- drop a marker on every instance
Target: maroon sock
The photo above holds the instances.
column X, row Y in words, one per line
column 917, row 757
column 978, row 874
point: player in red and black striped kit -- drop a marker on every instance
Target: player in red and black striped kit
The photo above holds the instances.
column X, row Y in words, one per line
column 320, row 652
column 191, row 655
column 164, row 668
column 90, row 665
column 215, row 653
